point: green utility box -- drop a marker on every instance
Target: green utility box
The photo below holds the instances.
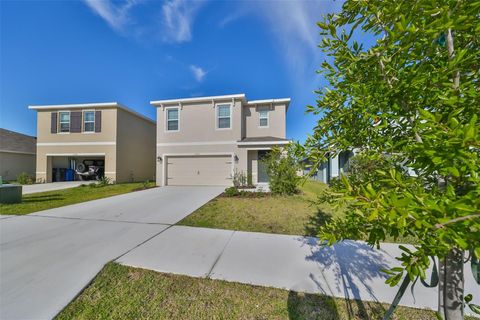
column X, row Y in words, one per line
column 10, row 193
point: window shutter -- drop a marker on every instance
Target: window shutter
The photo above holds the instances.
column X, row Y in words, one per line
column 76, row 121
column 98, row 121
column 53, row 125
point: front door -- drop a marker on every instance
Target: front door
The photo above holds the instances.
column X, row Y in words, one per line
column 262, row 168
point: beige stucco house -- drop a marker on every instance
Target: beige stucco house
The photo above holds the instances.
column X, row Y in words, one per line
column 203, row 141
column 17, row 154
column 108, row 134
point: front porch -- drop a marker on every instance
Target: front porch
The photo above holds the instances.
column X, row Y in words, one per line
column 256, row 168
column 252, row 151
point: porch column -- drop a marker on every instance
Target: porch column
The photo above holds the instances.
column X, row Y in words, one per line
column 334, row 167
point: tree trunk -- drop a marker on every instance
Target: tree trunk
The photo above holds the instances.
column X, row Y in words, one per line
column 450, row 286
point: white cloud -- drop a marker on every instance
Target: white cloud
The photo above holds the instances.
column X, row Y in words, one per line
column 293, row 27
column 232, row 17
column 293, row 23
column 198, row 73
column 178, row 17
column 114, row 13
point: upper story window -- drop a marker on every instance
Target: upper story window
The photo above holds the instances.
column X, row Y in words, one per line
column 76, row 121
column 263, row 117
column 64, row 121
column 224, row 116
column 89, row 121
column 172, row 119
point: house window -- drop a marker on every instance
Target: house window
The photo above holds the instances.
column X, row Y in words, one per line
column 263, row 116
column 64, row 121
column 172, row 119
column 89, row 121
column 223, row 116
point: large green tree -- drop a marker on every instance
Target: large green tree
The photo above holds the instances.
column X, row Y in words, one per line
column 414, row 96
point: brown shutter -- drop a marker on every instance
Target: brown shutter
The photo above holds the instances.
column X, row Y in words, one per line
column 98, row 121
column 53, row 125
column 76, row 121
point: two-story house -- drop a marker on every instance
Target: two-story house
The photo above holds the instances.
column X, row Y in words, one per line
column 204, row 140
column 109, row 136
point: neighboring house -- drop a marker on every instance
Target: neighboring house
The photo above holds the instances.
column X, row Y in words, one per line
column 106, row 134
column 204, row 140
column 331, row 168
column 17, row 154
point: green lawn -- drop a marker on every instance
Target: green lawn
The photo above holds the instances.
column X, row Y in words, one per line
column 295, row 215
column 59, row 198
column 120, row 292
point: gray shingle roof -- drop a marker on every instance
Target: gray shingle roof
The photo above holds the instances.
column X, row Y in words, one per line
column 17, row 142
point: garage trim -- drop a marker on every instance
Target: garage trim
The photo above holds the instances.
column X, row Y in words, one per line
column 75, row 154
column 166, row 155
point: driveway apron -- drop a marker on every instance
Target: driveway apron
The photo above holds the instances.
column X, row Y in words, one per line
column 48, row 257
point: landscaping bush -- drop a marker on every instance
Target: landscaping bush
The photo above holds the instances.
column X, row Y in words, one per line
column 365, row 168
column 335, row 183
column 234, row 192
column 25, row 178
column 282, row 169
column 239, row 179
column 103, row 182
column 231, row 192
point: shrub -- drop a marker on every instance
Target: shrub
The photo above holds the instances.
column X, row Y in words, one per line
column 231, row 192
column 239, row 179
column 336, row 183
column 25, row 178
column 104, row 181
column 145, row 184
column 282, row 169
column 249, row 179
column 365, row 167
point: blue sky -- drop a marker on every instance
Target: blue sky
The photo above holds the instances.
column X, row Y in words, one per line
column 132, row 52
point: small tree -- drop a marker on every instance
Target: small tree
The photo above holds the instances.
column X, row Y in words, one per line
column 414, row 95
column 282, row 169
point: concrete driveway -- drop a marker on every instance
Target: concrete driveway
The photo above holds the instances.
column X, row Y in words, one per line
column 48, row 257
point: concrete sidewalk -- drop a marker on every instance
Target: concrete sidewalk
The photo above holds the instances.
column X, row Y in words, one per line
column 43, row 187
column 347, row 270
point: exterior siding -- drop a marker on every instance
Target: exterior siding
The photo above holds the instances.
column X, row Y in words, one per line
column 135, row 148
column 14, row 163
column 109, row 129
column 75, row 143
column 197, row 122
column 276, row 121
column 198, row 135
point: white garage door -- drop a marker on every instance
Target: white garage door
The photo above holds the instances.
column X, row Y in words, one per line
column 199, row 170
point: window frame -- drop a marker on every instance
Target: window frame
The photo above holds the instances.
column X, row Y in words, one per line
column 267, row 110
column 167, row 120
column 59, row 130
column 84, row 121
column 217, row 115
